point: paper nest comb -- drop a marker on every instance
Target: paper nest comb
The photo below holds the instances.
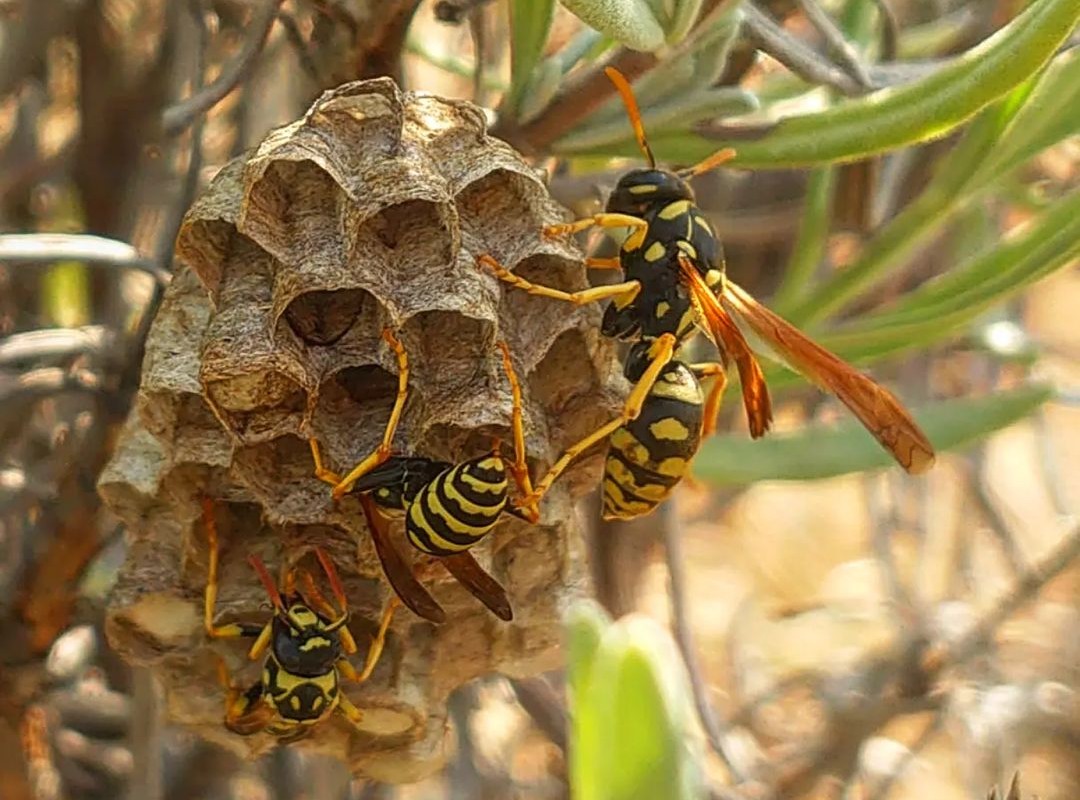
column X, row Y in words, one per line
column 369, row 211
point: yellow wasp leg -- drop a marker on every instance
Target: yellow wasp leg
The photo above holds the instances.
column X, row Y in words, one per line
column 231, row 631
column 351, row 712
column 520, row 467
column 376, row 648
column 715, row 396
column 663, row 349
column 601, row 220
column 593, row 262
column 321, row 471
column 626, row 291
column 382, row 452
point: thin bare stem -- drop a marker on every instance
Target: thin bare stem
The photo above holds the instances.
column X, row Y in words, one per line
column 846, row 55
column 26, row 247
column 684, row 636
column 542, row 703
column 178, row 117
column 794, row 54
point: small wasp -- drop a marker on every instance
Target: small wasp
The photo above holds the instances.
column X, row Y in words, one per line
column 448, row 508
column 675, row 285
column 305, row 647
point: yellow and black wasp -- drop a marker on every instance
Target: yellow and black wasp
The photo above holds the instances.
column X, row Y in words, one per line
column 447, row 508
column 674, row 284
column 304, row 647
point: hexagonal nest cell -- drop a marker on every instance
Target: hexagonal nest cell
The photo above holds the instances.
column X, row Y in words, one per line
column 367, row 213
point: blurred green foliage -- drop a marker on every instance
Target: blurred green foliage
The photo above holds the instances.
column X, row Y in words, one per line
column 630, row 710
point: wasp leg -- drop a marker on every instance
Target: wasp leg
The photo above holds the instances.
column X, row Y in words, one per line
column 520, row 468
column 322, row 472
column 382, row 452
column 233, row 630
column 351, row 712
column 593, row 262
column 626, row 291
column 715, row 370
column 375, row 649
column 601, row 220
column 663, row 350
column 246, row 710
column 340, row 621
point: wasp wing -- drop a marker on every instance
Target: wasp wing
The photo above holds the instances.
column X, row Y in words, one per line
column 398, row 572
column 729, row 339
column 480, row 584
column 875, row 406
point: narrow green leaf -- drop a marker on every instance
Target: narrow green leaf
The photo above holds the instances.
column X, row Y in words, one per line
column 630, row 22
column 825, row 452
column 541, row 89
column 809, row 248
column 920, row 220
column 530, row 21
column 1044, row 245
column 897, row 117
column 678, row 25
column 679, row 113
column 1050, row 114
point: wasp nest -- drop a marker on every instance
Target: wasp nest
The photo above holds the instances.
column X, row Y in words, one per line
column 368, row 212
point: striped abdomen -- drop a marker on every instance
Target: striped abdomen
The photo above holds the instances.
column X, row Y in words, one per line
column 458, row 508
column 648, row 456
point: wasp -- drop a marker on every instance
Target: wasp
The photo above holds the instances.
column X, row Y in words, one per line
column 447, row 508
column 674, row 286
column 304, row 647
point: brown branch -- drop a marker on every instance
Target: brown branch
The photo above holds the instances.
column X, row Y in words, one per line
column 1029, row 584
column 178, row 117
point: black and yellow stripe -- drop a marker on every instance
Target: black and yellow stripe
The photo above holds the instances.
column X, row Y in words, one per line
column 458, row 507
column 649, row 455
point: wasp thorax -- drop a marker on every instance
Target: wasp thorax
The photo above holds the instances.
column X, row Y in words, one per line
column 641, row 188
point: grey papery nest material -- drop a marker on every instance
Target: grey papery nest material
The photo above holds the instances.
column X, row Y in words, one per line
column 368, row 212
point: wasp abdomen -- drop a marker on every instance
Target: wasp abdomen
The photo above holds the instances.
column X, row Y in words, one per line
column 649, row 455
column 303, row 699
column 459, row 507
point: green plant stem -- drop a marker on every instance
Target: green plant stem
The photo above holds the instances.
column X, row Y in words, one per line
column 809, row 248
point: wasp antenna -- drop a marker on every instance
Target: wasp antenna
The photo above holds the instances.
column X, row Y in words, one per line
column 267, row 582
column 632, row 111
column 708, row 164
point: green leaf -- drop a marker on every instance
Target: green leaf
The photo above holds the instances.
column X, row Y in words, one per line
column 809, row 248
column 542, row 88
column 65, row 294
column 681, row 20
column 1050, row 114
column 636, row 712
column 630, row 22
column 827, row 451
column 585, row 626
column 1049, row 242
column 916, row 112
column 530, row 21
column 919, row 221
column 679, row 113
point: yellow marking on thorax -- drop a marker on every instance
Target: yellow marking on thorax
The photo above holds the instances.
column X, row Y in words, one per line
column 643, row 188
column 671, row 429
column 714, row 278
column 688, row 248
column 314, row 643
column 635, row 239
column 704, row 223
column 655, row 252
column 662, row 308
column 674, row 210
column 673, row 387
